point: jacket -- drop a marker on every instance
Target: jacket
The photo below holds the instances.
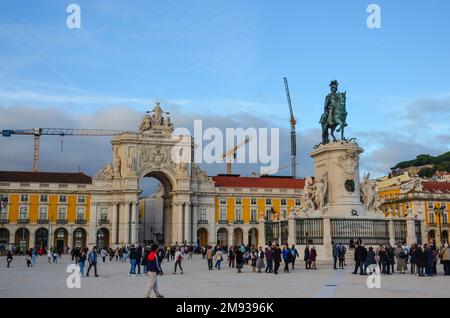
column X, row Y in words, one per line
column 153, row 263
column 370, row 259
column 360, row 254
column 276, row 255
column 92, row 257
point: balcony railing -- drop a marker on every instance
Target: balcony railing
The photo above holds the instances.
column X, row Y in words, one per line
column 80, row 221
column 23, row 221
column 223, row 221
column 42, row 221
column 238, row 222
column 253, row 222
column 61, row 221
column 4, row 220
column 103, row 221
column 202, row 221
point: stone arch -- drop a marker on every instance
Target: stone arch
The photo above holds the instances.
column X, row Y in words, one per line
column 22, row 239
column 60, row 238
column 103, row 236
column 431, row 236
column 4, row 235
column 202, row 235
column 79, row 237
column 253, row 237
column 222, row 236
column 41, row 238
column 444, row 236
column 238, row 236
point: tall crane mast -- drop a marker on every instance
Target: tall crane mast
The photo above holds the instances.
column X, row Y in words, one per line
column 38, row 132
column 231, row 153
column 293, row 138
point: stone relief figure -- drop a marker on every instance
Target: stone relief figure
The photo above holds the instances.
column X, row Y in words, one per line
column 320, row 192
column 348, row 163
column 117, row 163
column 369, row 194
column 157, row 118
column 146, row 123
column 107, row 172
column 308, row 195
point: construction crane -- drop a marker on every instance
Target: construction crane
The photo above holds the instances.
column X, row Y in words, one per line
column 38, row 132
column 293, row 139
column 267, row 172
column 231, row 153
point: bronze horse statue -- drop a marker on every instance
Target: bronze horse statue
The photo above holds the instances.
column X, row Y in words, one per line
column 337, row 120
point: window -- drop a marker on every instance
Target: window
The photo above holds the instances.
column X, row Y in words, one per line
column 62, row 213
column 253, row 215
column 24, row 198
column 283, row 201
column 238, row 215
column 81, row 199
column 223, row 201
column 238, row 201
column 268, row 214
column 431, row 217
column 390, row 196
column 223, row 214
column 298, row 202
column 3, row 206
column 268, row 201
column 444, row 218
column 80, row 213
column 44, row 198
column 253, row 201
column 202, row 214
column 62, row 198
column 23, row 212
column 43, row 212
column 430, row 205
column 444, row 205
column 407, row 205
column 104, row 213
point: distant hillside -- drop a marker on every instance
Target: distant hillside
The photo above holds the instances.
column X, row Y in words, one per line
column 440, row 163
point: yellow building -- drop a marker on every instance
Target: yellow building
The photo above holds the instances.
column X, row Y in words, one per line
column 41, row 207
column 427, row 201
column 242, row 202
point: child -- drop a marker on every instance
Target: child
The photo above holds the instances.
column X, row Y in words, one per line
column 49, row 256
column 9, row 258
column 28, row 258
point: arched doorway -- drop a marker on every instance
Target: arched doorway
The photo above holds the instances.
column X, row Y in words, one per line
column 202, row 236
column 79, row 237
column 444, row 236
column 41, row 238
column 431, row 236
column 253, row 237
column 156, row 202
column 4, row 236
column 22, row 239
column 222, row 237
column 103, row 238
column 60, row 239
column 238, row 236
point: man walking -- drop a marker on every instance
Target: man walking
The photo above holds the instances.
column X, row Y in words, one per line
column 360, row 259
column 335, row 254
column 92, row 258
column 276, row 257
column 153, row 270
column 133, row 261
column 294, row 255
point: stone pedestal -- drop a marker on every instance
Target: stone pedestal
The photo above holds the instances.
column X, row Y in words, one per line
column 340, row 162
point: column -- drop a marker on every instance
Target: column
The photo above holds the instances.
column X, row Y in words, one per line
column 92, row 235
column 391, row 232
column 126, row 223
column 327, row 239
column 194, row 222
column 291, row 228
column 261, row 232
column 187, row 223
column 32, row 238
column 180, row 236
column 114, row 232
column 410, row 229
column 70, row 237
column 167, row 221
column 134, row 223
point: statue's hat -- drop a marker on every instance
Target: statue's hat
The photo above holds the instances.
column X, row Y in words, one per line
column 334, row 83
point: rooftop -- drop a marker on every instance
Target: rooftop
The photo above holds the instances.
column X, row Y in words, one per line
column 262, row 182
column 45, row 177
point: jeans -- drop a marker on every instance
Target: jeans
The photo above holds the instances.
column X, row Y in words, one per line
column 420, row 270
column 81, row 265
column 286, row 266
column 293, row 262
column 177, row 263
column 144, row 269
column 361, row 266
column 429, row 270
column 210, row 266
column 386, row 268
column 231, row 263
column 269, row 267
column 218, row 264
column 133, row 266
column 34, row 259
column 334, row 262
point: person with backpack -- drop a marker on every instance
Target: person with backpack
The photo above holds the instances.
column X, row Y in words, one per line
column 178, row 259
column 153, row 270
column 9, row 259
column 92, row 259
column 294, row 253
column 401, row 256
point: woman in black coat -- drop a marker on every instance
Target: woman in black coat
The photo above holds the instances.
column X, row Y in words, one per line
column 420, row 260
column 239, row 260
column 306, row 257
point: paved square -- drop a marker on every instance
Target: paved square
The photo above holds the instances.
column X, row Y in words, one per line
column 49, row 280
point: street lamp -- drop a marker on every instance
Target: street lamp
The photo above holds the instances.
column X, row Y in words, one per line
column 439, row 211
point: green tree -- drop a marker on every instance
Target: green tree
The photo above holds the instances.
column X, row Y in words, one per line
column 426, row 172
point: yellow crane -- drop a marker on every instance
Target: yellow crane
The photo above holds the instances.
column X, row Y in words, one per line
column 231, row 153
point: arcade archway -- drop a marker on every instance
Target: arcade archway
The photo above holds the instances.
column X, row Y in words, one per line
column 102, row 238
column 4, row 236
column 253, row 237
column 60, row 239
column 222, row 237
column 22, row 239
column 79, row 237
column 238, row 237
column 202, row 235
column 41, row 238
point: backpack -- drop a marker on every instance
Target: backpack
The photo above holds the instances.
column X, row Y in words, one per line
column 402, row 254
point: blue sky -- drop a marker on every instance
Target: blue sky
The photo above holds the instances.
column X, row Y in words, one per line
column 226, row 59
